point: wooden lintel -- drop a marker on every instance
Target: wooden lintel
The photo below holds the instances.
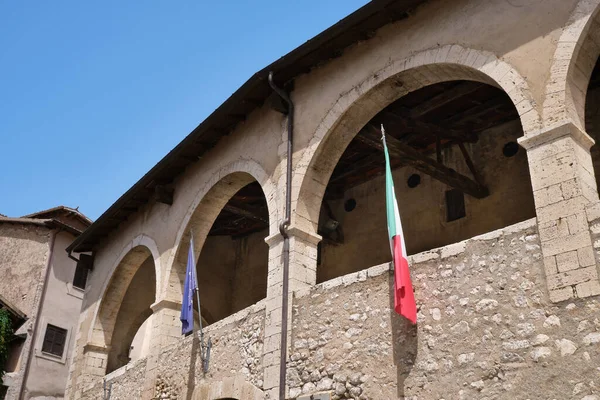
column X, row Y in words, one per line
column 371, row 136
column 164, row 194
column 447, row 96
column 244, row 213
column 403, row 119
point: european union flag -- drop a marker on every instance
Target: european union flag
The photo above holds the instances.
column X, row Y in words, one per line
column 187, row 304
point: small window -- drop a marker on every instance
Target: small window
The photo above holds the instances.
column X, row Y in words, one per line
column 80, row 278
column 54, row 340
column 455, row 205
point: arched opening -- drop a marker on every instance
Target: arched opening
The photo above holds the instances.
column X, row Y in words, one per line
column 132, row 317
column 232, row 266
column 592, row 115
column 457, row 168
column 229, row 225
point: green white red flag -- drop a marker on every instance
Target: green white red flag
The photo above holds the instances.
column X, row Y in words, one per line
column 404, row 298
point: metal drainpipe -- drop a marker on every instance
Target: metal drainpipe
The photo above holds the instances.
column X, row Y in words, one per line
column 37, row 314
column 283, row 226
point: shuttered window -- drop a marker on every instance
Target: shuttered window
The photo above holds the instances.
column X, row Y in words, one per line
column 54, row 340
column 80, row 278
column 455, row 205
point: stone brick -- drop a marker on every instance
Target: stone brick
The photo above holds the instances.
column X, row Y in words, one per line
column 561, row 209
column 548, row 195
column 567, row 261
column 586, row 256
column 577, row 223
column 593, row 212
column 570, row 189
column 587, row 289
column 550, row 265
column 564, row 244
column 553, row 229
column 571, row 278
column 563, row 294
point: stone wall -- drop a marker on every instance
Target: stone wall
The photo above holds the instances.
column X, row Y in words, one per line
column 23, row 256
column 237, row 345
column 486, row 329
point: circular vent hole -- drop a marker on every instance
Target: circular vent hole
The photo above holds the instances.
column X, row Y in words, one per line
column 510, row 149
column 413, row 181
column 349, row 205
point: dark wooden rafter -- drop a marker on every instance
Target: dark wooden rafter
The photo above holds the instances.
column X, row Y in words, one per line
column 460, row 90
column 244, row 212
column 164, row 194
column 364, row 164
column 477, row 111
column 401, row 117
column 470, row 164
column 371, row 136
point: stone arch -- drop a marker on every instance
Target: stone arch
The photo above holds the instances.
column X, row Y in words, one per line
column 576, row 53
column 115, row 286
column 356, row 107
column 208, row 203
column 230, row 388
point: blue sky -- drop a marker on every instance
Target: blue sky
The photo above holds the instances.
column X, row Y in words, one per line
column 93, row 94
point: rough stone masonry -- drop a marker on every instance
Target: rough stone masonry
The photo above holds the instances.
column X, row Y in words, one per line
column 486, row 330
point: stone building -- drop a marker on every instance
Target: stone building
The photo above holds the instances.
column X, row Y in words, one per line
column 490, row 112
column 42, row 288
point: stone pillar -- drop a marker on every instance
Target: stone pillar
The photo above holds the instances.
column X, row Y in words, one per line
column 564, row 189
column 303, row 275
column 95, row 358
column 165, row 330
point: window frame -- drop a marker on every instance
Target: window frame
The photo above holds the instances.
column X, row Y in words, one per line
column 41, row 338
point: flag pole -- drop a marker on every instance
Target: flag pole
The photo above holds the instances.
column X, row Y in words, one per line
column 202, row 348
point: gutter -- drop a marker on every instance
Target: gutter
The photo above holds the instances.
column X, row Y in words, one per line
column 283, row 227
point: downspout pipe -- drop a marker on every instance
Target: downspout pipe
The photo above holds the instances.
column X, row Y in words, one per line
column 38, row 313
column 283, row 227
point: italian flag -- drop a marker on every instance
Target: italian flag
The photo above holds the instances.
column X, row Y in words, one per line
column 404, row 298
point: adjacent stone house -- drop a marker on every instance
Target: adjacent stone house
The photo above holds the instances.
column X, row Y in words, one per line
column 42, row 288
column 490, row 111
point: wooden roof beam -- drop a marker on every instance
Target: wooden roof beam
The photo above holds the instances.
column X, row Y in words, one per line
column 402, row 118
column 371, row 136
column 447, row 96
column 243, row 212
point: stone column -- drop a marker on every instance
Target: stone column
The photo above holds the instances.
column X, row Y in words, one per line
column 564, row 190
column 303, row 275
column 95, row 358
column 165, row 330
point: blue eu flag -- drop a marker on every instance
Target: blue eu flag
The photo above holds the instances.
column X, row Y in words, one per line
column 187, row 304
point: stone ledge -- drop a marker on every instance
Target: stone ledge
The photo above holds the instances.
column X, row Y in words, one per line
column 120, row 371
column 428, row 255
column 554, row 133
column 238, row 316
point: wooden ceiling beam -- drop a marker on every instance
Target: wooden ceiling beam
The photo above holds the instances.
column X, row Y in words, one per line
column 371, row 136
column 402, row 117
column 447, row 96
column 244, row 212
column 356, row 168
column 476, row 111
